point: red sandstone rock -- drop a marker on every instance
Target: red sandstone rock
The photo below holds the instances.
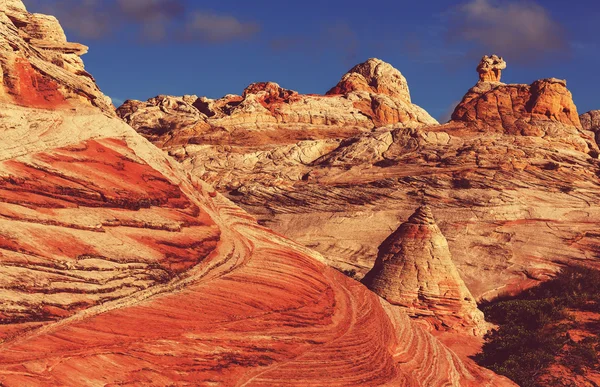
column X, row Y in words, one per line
column 39, row 68
column 118, row 268
column 490, row 68
column 512, row 190
column 544, row 108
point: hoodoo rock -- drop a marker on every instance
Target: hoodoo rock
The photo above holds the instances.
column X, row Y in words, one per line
column 414, row 270
column 490, row 68
column 119, row 268
column 544, row 108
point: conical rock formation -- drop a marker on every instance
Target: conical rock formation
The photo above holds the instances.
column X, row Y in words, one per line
column 414, row 270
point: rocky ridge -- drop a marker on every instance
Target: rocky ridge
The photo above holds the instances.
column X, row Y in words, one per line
column 39, row 67
column 512, row 180
column 358, row 103
column 414, row 270
column 111, row 255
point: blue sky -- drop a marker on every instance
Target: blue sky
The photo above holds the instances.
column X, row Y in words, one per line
column 141, row 48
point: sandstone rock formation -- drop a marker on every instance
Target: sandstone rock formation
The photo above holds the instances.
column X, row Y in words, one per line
column 490, row 68
column 373, row 76
column 513, row 188
column 39, row 68
column 591, row 121
column 372, row 94
column 414, row 270
column 543, row 109
column 118, row 268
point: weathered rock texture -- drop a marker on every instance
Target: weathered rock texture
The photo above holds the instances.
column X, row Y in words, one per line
column 414, row 269
column 372, row 94
column 513, row 181
column 540, row 109
column 39, row 68
column 591, row 121
column 490, row 68
column 118, row 268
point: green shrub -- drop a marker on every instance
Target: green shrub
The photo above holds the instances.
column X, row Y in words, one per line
column 532, row 332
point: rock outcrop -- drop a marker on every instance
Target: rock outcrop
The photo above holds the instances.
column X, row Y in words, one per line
column 515, row 201
column 414, row 270
column 490, row 68
column 591, row 121
column 39, row 68
column 118, row 268
column 373, row 76
column 543, row 109
column 372, row 94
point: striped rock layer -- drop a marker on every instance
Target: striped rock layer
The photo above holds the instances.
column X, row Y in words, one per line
column 414, row 270
column 117, row 268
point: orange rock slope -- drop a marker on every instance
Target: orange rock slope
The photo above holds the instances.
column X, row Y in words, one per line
column 117, row 268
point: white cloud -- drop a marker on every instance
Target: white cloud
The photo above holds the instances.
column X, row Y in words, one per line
column 521, row 31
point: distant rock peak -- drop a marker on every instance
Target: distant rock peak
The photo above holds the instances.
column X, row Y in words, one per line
column 423, row 215
column 490, row 68
column 374, row 76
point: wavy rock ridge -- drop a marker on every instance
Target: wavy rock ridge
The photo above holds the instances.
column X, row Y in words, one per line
column 414, row 270
column 118, row 268
column 372, row 94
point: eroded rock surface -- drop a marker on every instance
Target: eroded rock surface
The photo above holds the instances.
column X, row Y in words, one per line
column 414, row 270
column 543, row 108
column 118, row 268
column 512, row 180
column 372, row 94
column 591, row 121
column 39, row 68
column 490, row 68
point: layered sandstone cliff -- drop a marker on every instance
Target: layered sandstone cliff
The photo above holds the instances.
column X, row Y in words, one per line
column 414, row 270
column 118, row 268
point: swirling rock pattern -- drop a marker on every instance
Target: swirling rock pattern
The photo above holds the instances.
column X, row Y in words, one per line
column 118, row 268
column 414, row 270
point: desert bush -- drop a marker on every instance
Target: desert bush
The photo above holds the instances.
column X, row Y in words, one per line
column 532, row 328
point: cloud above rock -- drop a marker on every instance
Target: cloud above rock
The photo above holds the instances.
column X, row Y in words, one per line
column 154, row 20
column 212, row 27
column 521, row 31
